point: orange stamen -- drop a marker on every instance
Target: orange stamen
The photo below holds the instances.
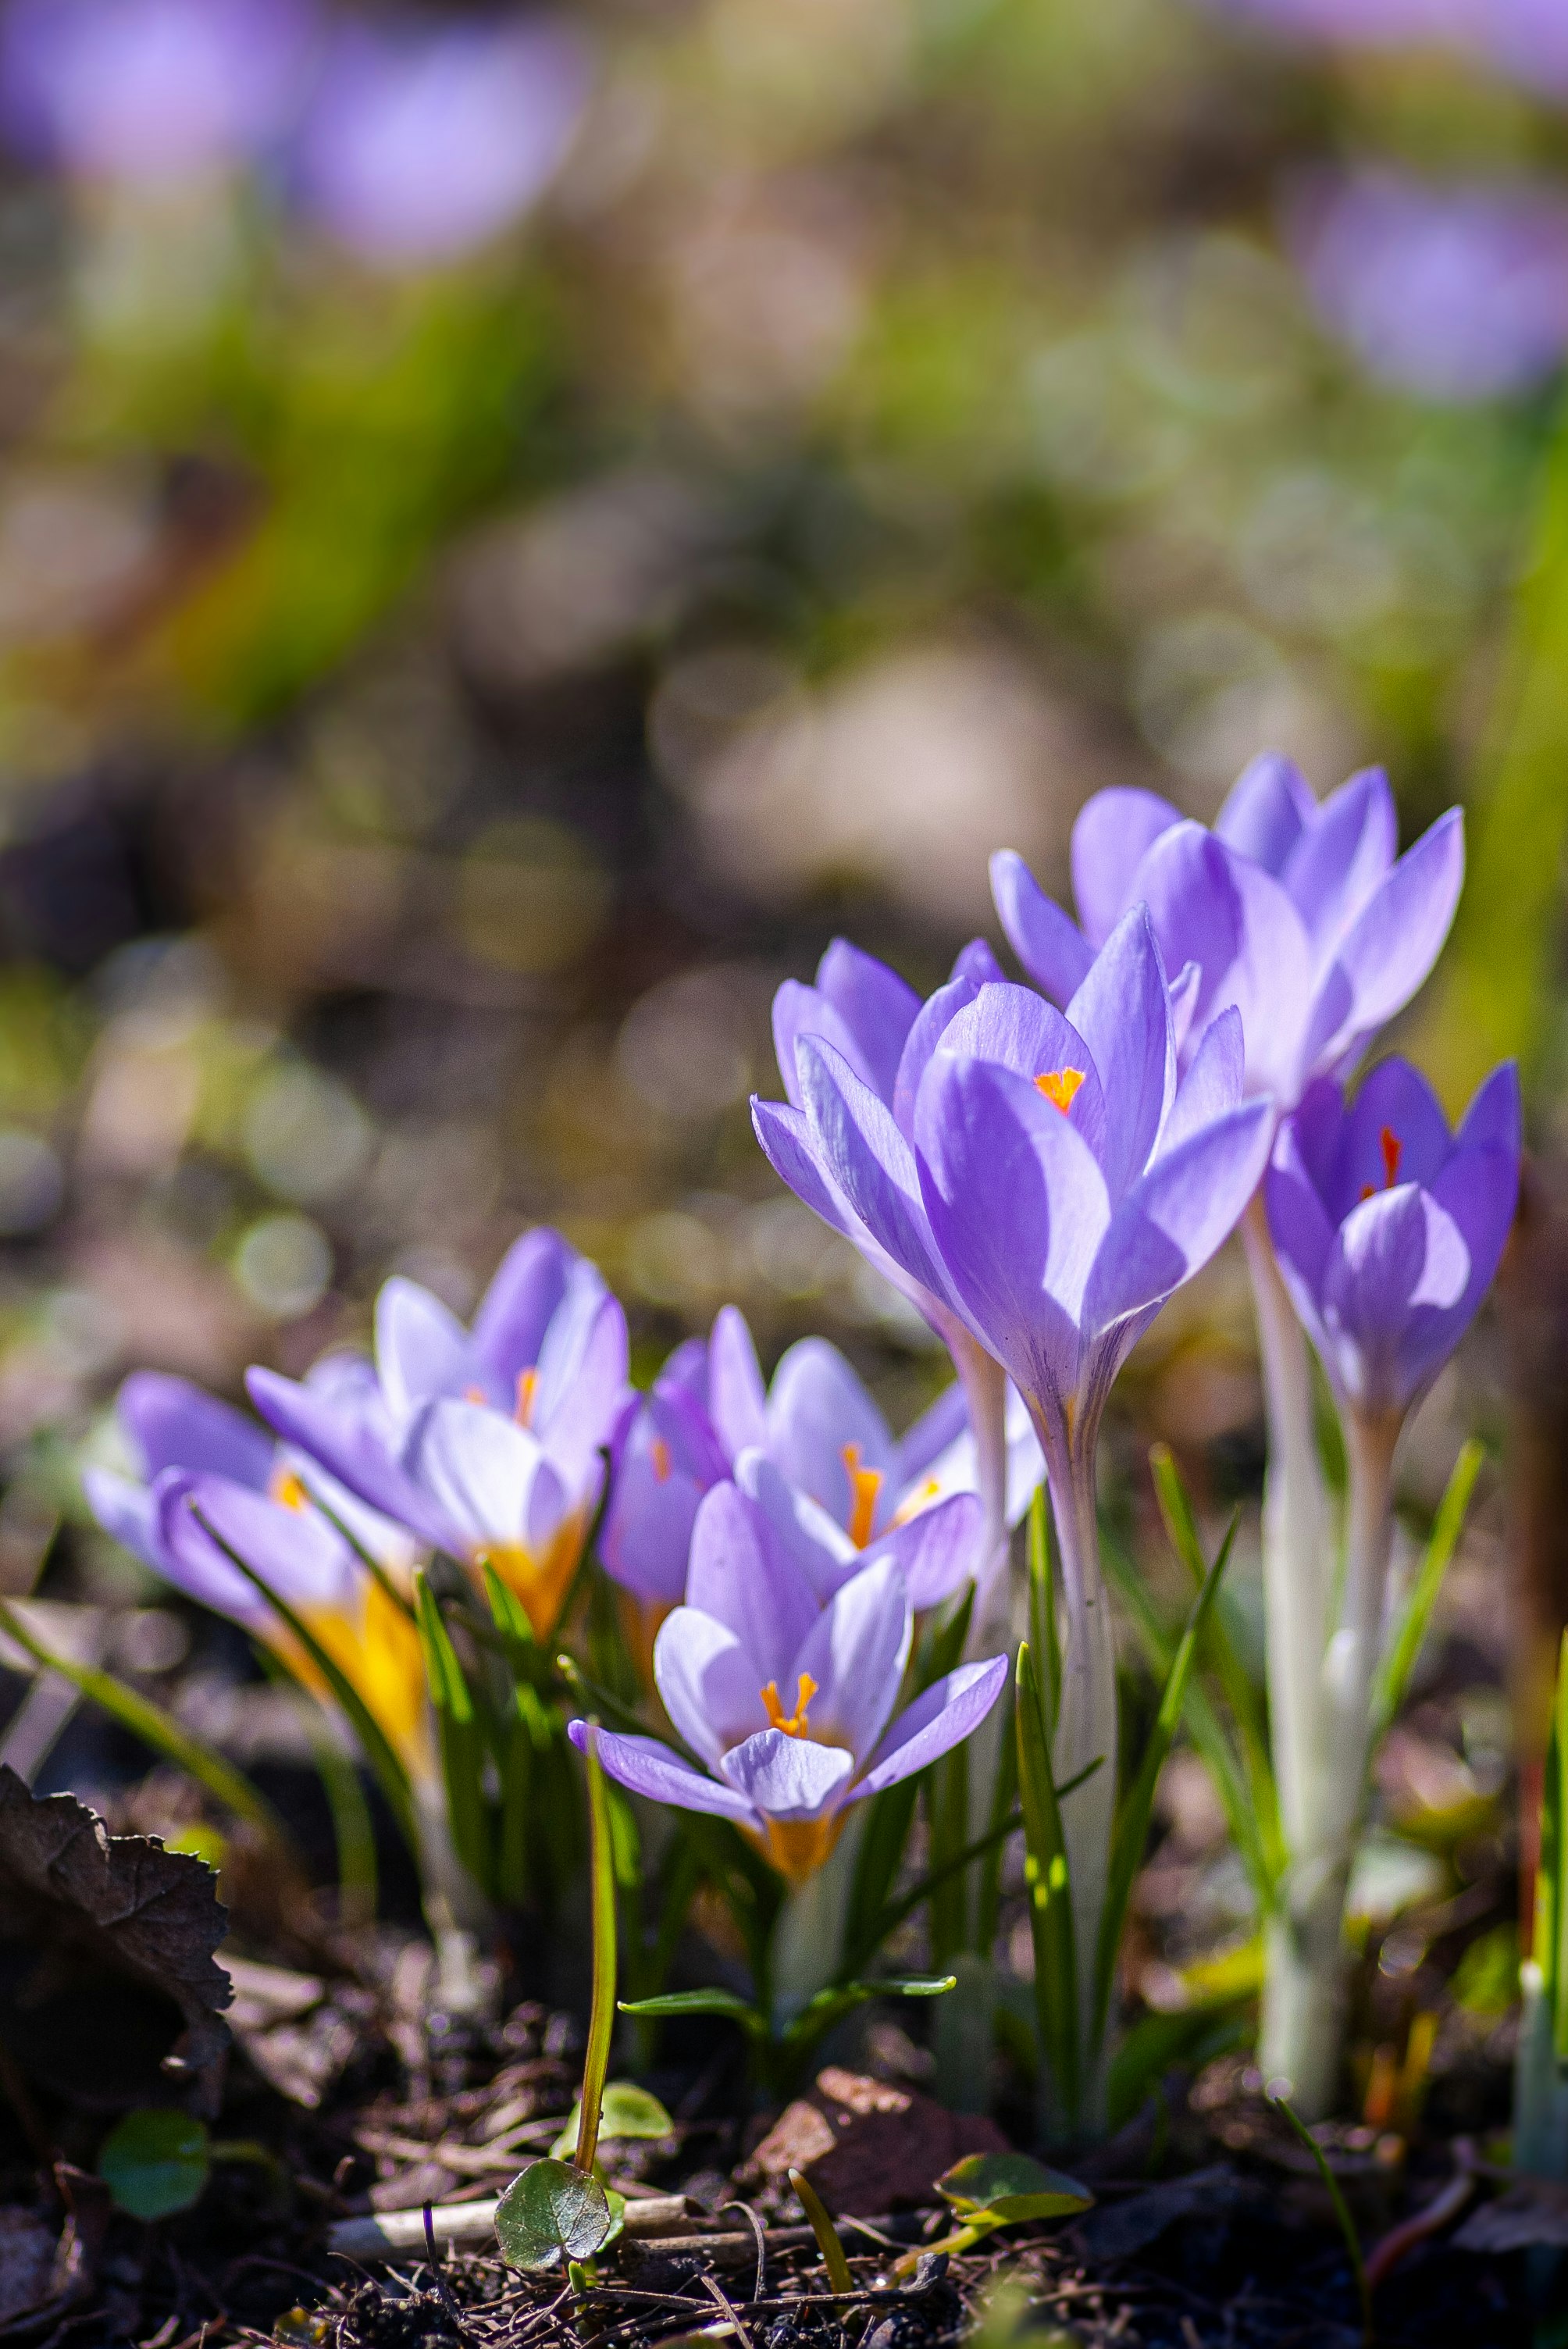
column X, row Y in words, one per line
column 865, row 1484
column 475, row 1395
column 1060, row 1085
column 527, row 1392
column 796, row 1724
column 660, row 1451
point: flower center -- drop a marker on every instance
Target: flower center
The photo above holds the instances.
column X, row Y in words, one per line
column 1393, row 1150
column 527, row 1392
column 287, row 1489
column 659, row 1451
column 865, row 1484
column 1060, row 1085
column 796, row 1724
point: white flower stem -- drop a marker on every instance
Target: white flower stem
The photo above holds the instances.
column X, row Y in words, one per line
column 809, row 1931
column 1087, row 1722
column 985, row 1385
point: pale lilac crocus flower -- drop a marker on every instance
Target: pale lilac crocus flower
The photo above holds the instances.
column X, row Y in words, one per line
column 818, row 1426
column 786, row 1700
column 151, row 91
column 425, row 141
column 1387, row 1234
column 302, row 1533
column 489, row 1442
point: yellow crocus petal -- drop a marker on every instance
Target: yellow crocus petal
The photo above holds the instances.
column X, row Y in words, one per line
column 542, row 1582
column 378, row 1648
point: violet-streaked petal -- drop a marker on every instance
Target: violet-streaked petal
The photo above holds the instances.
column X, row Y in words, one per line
column 1496, row 1115
column 741, row 1573
column 490, row 1478
column 581, row 1392
column 1212, row 1084
column 515, row 1310
column 816, row 1543
column 1212, row 906
column 297, row 1554
column 423, row 1350
column 938, row 1550
column 939, row 1425
column 645, row 1537
column 787, row 1777
column 855, row 1653
column 870, row 1159
column 951, row 1709
column 129, row 1512
column 708, row 1683
column 876, row 1005
column 927, row 1032
column 1185, row 990
column 978, row 963
column 1394, row 1100
column 346, row 1427
column 173, row 1424
column 817, row 1410
column 1176, row 1216
column 1122, row 1011
column 644, row 1766
column 1267, row 809
column 796, row 1156
column 737, row 1397
column 1111, row 834
column 1341, row 857
column 1389, row 949
column 1048, row 943
column 1399, row 1267
column 799, row 1010
column 1017, row 1029
column 1302, row 1233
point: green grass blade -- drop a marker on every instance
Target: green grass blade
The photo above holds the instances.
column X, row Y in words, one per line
column 1550, row 1950
column 1132, row 1826
column 390, row 1774
column 461, row 1739
column 1045, row 1636
column 1050, row 1894
column 602, row 2011
column 156, row 1729
column 1341, row 2212
column 1393, row 1677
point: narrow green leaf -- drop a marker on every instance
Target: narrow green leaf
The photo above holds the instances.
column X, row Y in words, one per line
column 1131, row 1829
column 157, row 1728
column 602, row 2011
column 154, row 2162
column 390, row 1774
column 701, row 2002
column 1044, row 1635
column 1399, row 1658
column 894, row 1913
column 462, row 1740
column 1551, row 1951
column 840, row 2280
column 551, row 2211
column 1341, row 2211
column 1004, row 1817
column 1046, row 1877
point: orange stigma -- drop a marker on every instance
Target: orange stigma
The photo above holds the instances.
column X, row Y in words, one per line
column 527, row 1392
column 287, row 1490
column 796, row 1724
column 865, row 1484
column 1393, row 1150
column 659, row 1451
column 1060, row 1086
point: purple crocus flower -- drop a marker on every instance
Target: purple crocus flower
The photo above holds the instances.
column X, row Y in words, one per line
column 422, row 142
column 488, row 1441
column 817, row 1425
column 1456, row 291
column 1297, row 915
column 151, row 90
column 277, row 1511
column 786, row 1700
column 1389, row 1231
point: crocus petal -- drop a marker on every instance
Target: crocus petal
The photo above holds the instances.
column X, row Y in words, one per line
column 1017, row 1029
column 737, row 1397
column 1176, row 1216
column 951, row 1709
column 936, row 1014
column 870, row 1159
column 1341, row 857
column 1122, row 1011
column 481, row 1470
column 646, row 1767
column 1398, row 1267
column 978, row 963
column 1302, row 1233
column 1018, row 1207
column 787, row 1777
column 350, row 1431
column 1496, row 1115
column 645, row 1537
column 792, row 1150
column 1113, row 831
column 296, row 1553
column 1052, row 948
column 129, row 1512
column 172, row 1424
column 936, row 1551
column 876, row 1005
column 815, row 1542
column 1211, row 1086
column 939, row 1425
column 1389, row 949
column 708, row 1683
column 516, row 1310
column 422, row 1349
column 1269, row 806
column 799, row 1010
column 1394, row 1099
column 582, row 1389
column 818, row 1417
column 1212, row 906
column 855, row 1653
column 741, row 1573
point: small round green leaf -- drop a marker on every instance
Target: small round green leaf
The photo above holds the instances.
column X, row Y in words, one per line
column 154, row 2162
column 626, row 2111
column 1000, row 2188
column 551, row 2211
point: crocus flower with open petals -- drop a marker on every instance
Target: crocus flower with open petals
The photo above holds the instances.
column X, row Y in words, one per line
column 786, row 1701
column 488, row 1443
column 1298, row 914
column 819, row 1427
column 1387, row 1230
column 196, row 1454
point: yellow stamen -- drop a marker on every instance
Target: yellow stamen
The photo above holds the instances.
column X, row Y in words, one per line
column 796, row 1725
column 285, row 1488
column 659, row 1451
column 920, row 1498
column 1060, row 1085
column 865, row 1484
column 527, row 1394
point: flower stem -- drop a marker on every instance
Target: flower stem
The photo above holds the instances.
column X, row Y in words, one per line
column 1086, row 1721
column 601, row 2013
column 985, row 1385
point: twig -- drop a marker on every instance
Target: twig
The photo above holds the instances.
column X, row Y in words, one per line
column 756, row 2225
column 716, row 2290
column 1429, row 2220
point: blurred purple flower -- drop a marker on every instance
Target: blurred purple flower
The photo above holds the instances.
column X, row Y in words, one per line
column 786, row 1702
column 1297, row 914
column 1366, row 24
column 423, row 141
column 1386, row 1231
column 488, row 1441
column 151, row 90
column 818, row 1427
column 1457, row 292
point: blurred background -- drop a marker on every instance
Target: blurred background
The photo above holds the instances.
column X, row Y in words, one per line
column 515, row 527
